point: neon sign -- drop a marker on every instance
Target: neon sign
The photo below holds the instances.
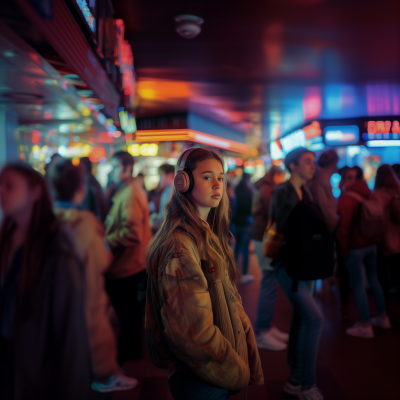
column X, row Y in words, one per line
column 125, row 61
column 340, row 135
column 82, row 4
column 295, row 139
column 383, row 127
column 144, row 149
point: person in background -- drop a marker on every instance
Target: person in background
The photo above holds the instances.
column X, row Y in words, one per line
column 267, row 336
column 196, row 326
column 307, row 318
column 348, row 177
column 69, row 185
column 44, row 349
column 140, row 180
column 167, row 173
column 243, row 219
column 387, row 193
column 321, row 188
column 359, row 251
column 127, row 231
column 95, row 200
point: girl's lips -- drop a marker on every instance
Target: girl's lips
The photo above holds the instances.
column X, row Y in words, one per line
column 216, row 195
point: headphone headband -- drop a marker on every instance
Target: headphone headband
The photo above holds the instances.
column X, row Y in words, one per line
column 184, row 158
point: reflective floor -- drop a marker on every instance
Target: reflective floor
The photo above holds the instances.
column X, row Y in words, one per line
column 348, row 368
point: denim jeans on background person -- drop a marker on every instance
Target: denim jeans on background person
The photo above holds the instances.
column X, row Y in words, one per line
column 268, row 290
column 305, row 328
column 243, row 237
column 357, row 258
column 185, row 386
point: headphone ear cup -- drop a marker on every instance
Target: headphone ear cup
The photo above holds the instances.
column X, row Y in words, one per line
column 191, row 181
column 182, row 182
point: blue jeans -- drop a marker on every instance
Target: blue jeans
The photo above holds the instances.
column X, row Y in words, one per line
column 243, row 237
column 357, row 258
column 268, row 290
column 188, row 387
column 305, row 328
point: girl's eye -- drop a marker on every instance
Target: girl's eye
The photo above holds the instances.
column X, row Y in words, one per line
column 206, row 177
column 221, row 179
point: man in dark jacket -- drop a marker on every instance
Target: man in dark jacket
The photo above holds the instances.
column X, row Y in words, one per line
column 243, row 220
column 271, row 338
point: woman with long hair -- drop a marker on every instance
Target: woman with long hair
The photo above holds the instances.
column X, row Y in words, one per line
column 44, row 349
column 387, row 193
column 196, row 326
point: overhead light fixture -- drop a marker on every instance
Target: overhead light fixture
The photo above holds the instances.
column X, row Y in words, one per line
column 190, row 135
column 188, row 26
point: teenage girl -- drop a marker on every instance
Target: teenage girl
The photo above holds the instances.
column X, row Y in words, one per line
column 44, row 351
column 196, row 326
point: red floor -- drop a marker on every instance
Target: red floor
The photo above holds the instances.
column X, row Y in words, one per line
column 347, row 369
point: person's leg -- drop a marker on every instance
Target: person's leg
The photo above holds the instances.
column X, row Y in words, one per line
column 370, row 269
column 354, row 268
column 382, row 270
column 123, row 295
column 305, row 330
column 266, row 301
column 246, row 243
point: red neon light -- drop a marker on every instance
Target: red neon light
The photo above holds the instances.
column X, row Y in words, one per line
column 104, row 138
column 379, row 126
column 96, row 153
column 396, row 127
column 35, row 136
column 313, row 130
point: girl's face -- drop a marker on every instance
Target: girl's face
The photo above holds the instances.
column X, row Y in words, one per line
column 15, row 194
column 208, row 184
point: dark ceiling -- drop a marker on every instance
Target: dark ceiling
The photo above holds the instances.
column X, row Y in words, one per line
column 275, row 64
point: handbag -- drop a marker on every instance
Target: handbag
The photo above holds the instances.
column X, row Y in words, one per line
column 272, row 241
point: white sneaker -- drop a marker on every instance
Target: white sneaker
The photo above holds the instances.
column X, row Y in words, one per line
column 313, row 394
column 282, row 336
column 268, row 341
column 381, row 322
column 115, row 383
column 289, row 388
column 358, row 330
column 246, row 279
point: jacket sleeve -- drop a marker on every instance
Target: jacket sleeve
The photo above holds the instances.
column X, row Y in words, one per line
column 189, row 329
column 101, row 336
column 346, row 211
column 130, row 231
column 256, row 378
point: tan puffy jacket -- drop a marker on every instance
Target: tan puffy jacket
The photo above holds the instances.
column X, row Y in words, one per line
column 93, row 252
column 127, row 230
column 195, row 320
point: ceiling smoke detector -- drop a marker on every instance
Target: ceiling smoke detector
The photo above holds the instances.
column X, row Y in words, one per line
column 188, row 26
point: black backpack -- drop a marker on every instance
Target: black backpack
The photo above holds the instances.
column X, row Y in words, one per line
column 308, row 248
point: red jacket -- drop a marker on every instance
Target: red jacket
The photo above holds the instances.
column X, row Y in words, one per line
column 348, row 232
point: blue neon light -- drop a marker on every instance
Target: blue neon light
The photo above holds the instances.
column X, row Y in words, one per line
column 341, row 135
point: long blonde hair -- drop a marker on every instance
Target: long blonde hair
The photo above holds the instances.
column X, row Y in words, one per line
column 212, row 239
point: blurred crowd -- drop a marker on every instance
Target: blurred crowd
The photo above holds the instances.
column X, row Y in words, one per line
column 73, row 264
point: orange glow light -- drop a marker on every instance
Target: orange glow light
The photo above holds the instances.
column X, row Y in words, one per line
column 238, row 162
column 104, row 137
column 191, row 136
column 96, row 153
column 313, row 130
